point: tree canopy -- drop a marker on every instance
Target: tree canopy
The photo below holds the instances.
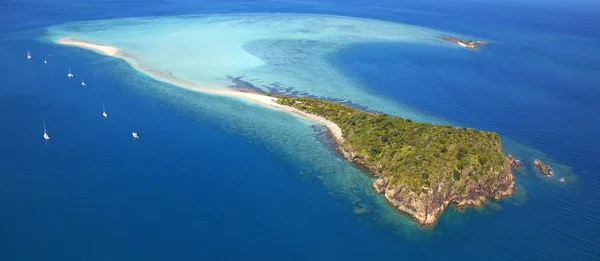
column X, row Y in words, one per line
column 415, row 154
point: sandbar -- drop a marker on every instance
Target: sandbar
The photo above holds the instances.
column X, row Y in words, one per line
column 167, row 77
column 104, row 49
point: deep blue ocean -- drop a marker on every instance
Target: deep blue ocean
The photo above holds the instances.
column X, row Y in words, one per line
column 194, row 187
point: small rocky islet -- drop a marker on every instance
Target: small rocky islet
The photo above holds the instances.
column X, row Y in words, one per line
column 543, row 167
column 470, row 44
column 420, row 168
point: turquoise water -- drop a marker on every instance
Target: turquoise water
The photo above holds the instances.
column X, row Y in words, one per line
column 217, row 178
column 278, row 51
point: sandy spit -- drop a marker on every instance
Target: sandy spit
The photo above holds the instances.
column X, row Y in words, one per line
column 264, row 100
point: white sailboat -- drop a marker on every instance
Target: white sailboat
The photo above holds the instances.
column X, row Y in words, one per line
column 82, row 82
column 46, row 136
column 104, row 111
column 28, row 55
column 70, row 75
column 135, row 135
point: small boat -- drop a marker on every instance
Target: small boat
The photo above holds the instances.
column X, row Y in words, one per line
column 135, row 135
column 70, row 75
column 46, row 136
column 45, row 61
column 28, row 55
column 562, row 179
column 82, row 82
column 104, row 111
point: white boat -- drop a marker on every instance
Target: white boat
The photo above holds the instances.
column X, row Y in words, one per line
column 562, row 179
column 135, row 135
column 104, row 111
column 70, row 75
column 45, row 61
column 82, row 82
column 46, row 136
column 28, row 55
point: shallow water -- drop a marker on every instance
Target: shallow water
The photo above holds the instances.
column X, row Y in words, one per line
column 277, row 52
column 222, row 179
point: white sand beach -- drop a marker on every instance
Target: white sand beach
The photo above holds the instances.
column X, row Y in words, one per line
column 166, row 77
column 103, row 49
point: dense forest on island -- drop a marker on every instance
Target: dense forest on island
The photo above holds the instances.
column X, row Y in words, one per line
column 415, row 154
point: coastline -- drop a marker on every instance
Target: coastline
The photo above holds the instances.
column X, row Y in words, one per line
column 425, row 208
column 166, row 77
column 426, row 201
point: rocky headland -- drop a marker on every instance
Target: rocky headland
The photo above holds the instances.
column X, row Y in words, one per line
column 420, row 168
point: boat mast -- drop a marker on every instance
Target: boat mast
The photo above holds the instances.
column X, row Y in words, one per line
column 44, row 122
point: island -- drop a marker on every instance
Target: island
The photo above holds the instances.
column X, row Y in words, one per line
column 542, row 167
column 473, row 45
column 420, row 168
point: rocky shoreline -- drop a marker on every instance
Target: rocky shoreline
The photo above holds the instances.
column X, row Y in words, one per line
column 423, row 195
column 427, row 206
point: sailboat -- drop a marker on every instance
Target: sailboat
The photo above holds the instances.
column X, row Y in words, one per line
column 46, row 136
column 28, row 55
column 70, row 75
column 82, row 82
column 135, row 135
column 104, row 111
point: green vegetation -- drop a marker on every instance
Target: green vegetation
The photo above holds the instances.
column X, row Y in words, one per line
column 412, row 153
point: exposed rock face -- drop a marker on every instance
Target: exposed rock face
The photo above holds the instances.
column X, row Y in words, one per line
column 514, row 163
column 543, row 168
column 427, row 205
